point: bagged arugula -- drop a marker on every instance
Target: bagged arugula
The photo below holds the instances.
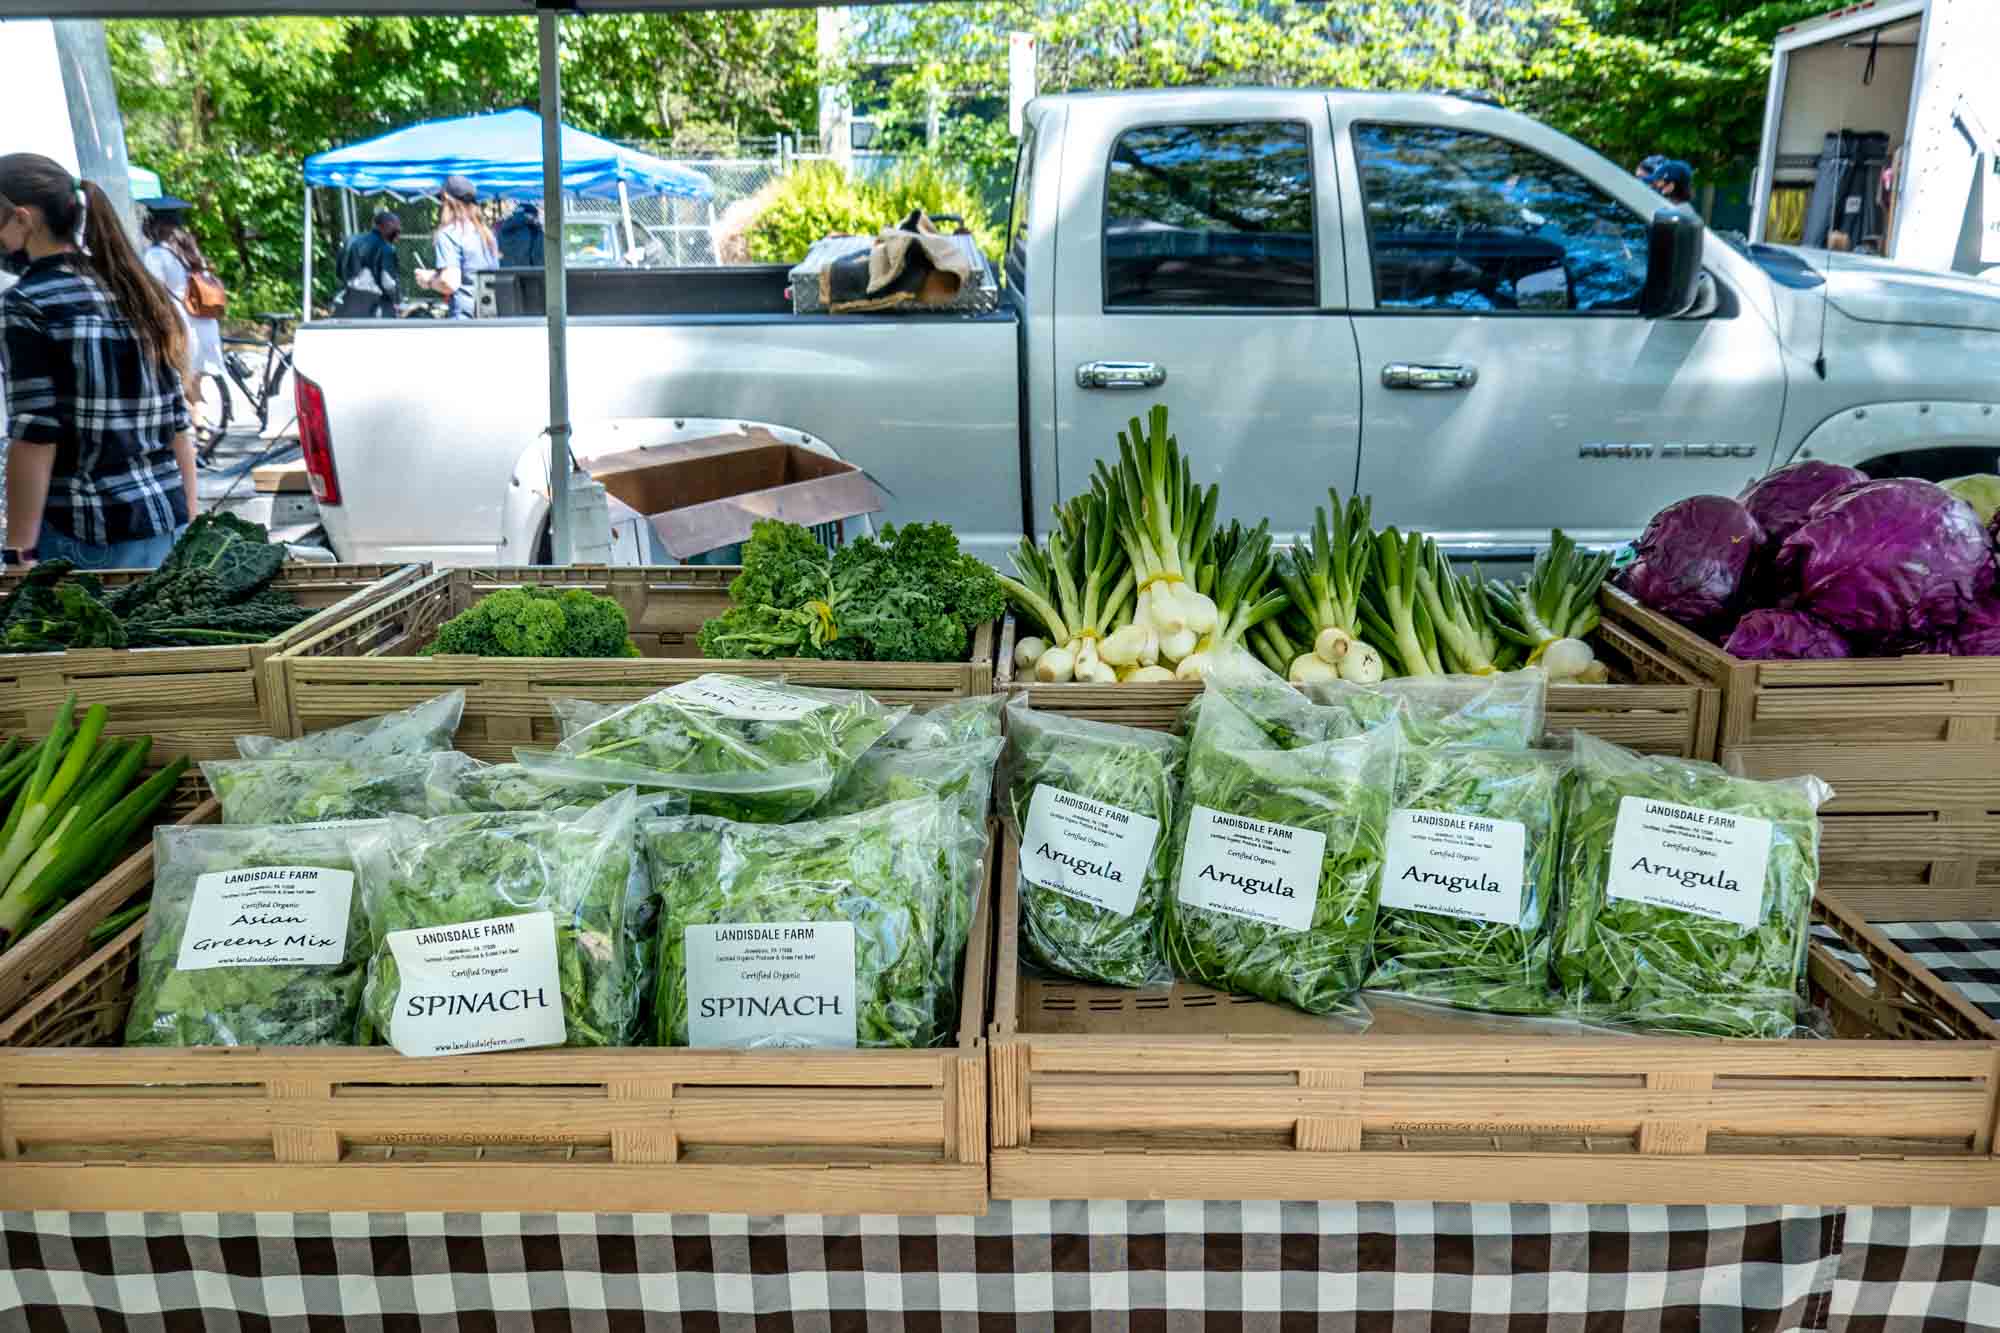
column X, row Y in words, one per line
column 842, row 908
column 256, row 937
column 420, row 729
column 308, row 791
column 499, row 931
column 1090, row 805
column 745, row 749
column 1467, row 912
column 1687, row 893
column 1501, row 711
column 1279, row 848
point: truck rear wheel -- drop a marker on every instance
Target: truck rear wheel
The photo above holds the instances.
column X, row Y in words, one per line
column 1935, row 464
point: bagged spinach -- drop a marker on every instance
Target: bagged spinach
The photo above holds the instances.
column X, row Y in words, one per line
column 1504, row 710
column 811, row 934
column 256, row 937
column 419, row 729
column 1467, row 913
column 1091, row 805
column 1687, row 893
column 745, row 749
column 307, row 791
column 506, row 930
column 1279, row 846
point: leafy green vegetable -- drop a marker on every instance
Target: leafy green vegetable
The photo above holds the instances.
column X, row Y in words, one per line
column 1135, row 770
column 458, row 784
column 957, row 723
column 307, row 791
column 745, row 749
column 911, row 596
column 1656, row 966
column 1268, row 754
column 1556, row 599
column 287, row 1005
column 584, row 868
column 881, row 870
column 423, row 728
column 538, row 622
column 1500, row 711
column 1465, row 961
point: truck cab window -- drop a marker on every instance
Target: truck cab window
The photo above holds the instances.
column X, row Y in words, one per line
column 1461, row 221
column 1016, row 266
column 1208, row 215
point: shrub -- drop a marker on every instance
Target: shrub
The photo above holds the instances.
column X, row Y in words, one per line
column 821, row 199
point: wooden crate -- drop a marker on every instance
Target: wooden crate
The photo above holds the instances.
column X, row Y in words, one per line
column 1188, row 1093
column 59, row 944
column 1910, row 745
column 364, row 665
column 193, row 701
column 635, row 1130
column 1658, row 706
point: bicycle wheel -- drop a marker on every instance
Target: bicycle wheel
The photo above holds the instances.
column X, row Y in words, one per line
column 212, row 414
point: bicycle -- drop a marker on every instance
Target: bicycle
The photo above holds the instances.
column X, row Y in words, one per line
column 258, row 381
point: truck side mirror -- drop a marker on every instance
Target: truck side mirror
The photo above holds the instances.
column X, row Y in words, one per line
column 1673, row 264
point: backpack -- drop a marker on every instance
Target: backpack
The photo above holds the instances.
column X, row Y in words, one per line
column 206, row 297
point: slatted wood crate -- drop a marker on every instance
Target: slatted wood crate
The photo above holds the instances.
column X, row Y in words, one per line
column 1911, row 746
column 1657, row 706
column 84, row 1126
column 1184, row 1092
column 192, row 701
column 366, row 665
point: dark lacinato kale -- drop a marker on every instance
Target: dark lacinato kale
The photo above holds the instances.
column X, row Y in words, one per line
column 423, row 728
column 1135, row 770
column 307, row 791
column 289, row 1005
column 1633, row 962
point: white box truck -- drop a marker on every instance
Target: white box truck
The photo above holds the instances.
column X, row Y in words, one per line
column 1879, row 135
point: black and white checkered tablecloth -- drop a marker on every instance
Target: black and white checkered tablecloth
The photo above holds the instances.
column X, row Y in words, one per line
column 1101, row 1267
column 1965, row 954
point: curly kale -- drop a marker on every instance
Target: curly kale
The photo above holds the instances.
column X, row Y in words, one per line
column 909, row 596
column 538, row 622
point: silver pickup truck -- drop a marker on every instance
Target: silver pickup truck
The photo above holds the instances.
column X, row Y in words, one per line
column 1482, row 323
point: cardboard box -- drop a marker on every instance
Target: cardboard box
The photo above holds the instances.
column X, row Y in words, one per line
column 698, row 495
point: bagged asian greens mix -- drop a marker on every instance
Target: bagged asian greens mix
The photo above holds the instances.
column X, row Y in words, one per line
column 458, row 784
column 1504, row 710
column 506, row 930
column 811, row 934
column 256, row 937
column 1687, row 893
column 1467, row 914
column 419, row 729
column 308, row 791
column 755, row 750
column 1091, row 805
column 1279, row 847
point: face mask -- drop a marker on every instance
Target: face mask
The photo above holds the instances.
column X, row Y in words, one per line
column 15, row 262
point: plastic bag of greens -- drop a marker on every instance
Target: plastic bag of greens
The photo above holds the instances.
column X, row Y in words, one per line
column 1687, row 893
column 1278, row 848
column 458, row 784
column 961, row 775
column 499, row 931
column 421, row 729
column 1468, row 884
column 307, row 791
column 255, row 937
column 1091, row 805
column 1505, row 710
column 777, row 750
column 811, row 934
column 960, row 722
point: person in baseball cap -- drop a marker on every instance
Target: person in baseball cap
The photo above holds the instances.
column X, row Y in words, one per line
column 463, row 246
column 1674, row 179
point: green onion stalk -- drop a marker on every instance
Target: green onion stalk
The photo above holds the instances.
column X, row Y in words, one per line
column 1323, row 577
column 1239, row 581
column 1078, row 588
column 1549, row 612
column 1166, row 524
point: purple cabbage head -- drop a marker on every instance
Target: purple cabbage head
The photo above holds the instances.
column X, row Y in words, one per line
column 1691, row 560
column 1780, row 500
column 1889, row 560
column 1977, row 634
column 1789, row 636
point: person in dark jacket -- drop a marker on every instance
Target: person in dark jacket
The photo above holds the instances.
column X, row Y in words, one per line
column 520, row 237
column 370, row 276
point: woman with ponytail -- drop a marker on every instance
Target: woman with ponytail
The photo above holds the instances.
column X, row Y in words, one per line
column 100, row 469
column 174, row 256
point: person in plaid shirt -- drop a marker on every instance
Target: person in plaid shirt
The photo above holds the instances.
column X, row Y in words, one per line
column 100, row 467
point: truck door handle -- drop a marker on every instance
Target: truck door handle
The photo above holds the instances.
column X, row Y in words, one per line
column 1410, row 375
column 1120, row 375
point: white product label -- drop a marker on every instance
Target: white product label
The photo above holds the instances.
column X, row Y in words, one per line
column 1455, row 865
column 477, row 986
column 1091, row 851
column 1248, row 868
column 745, row 699
column 772, row 984
column 1699, row 861
column 267, row 916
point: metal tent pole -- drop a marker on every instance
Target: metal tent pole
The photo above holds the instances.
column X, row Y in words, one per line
column 557, row 293
column 625, row 207
column 306, row 289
